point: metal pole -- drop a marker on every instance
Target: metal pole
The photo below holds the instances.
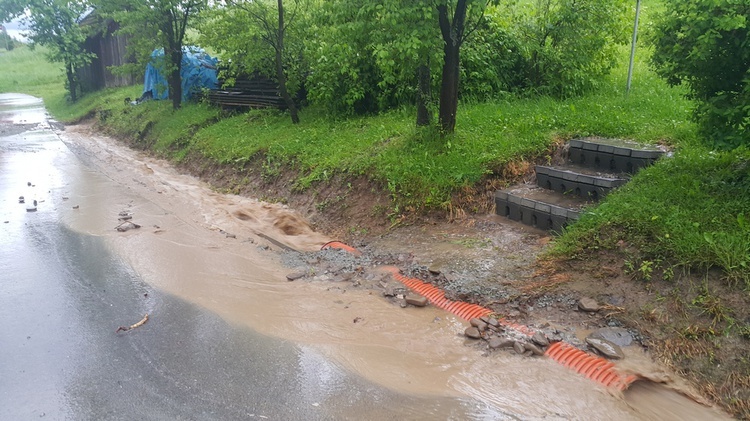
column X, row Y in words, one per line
column 632, row 47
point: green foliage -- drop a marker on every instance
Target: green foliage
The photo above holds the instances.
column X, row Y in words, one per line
column 27, row 71
column 703, row 44
column 54, row 24
column 567, row 45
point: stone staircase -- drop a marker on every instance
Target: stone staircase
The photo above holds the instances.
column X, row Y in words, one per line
column 593, row 168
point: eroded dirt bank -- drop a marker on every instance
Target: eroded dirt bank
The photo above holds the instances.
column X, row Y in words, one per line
column 229, row 252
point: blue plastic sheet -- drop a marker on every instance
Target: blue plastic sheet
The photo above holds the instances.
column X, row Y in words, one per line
column 198, row 72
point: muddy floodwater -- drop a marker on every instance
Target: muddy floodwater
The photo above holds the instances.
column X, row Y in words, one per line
column 228, row 337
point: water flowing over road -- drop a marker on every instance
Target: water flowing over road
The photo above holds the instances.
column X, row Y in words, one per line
column 228, row 338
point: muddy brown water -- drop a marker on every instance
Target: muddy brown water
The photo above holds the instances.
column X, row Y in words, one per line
column 211, row 249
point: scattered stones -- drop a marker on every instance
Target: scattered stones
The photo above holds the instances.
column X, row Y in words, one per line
column 295, row 275
column 416, row 300
column 588, row 304
column 606, row 348
column 519, row 348
column 357, row 319
column 473, row 333
column 21, row 199
column 540, row 339
column 617, row 335
column 76, row 207
column 434, row 270
column 497, row 342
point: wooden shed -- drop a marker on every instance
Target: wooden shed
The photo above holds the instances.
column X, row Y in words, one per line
column 110, row 50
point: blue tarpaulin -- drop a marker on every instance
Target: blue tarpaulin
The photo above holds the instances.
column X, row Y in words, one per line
column 198, row 72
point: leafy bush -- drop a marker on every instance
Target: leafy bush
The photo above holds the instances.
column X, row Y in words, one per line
column 568, row 45
column 703, row 44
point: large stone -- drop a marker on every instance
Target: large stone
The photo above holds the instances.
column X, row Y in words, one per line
column 519, row 348
column 473, row 333
column 588, row 304
column 533, row 348
column 540, row 339
column 479, row 324
column 606, row 348
column 496, row 342
column 617, row 335
column 295, row 275
column 416, row 300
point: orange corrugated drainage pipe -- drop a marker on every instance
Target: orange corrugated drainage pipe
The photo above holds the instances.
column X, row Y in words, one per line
column 341, row 246
column 436, row 296
column 591, row 366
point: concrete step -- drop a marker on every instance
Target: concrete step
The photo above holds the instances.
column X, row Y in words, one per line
column 579, row 181
column 614, row 155
column 538, row 207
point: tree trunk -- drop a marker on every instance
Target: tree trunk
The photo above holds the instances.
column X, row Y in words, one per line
column 175, row 80
column 452, row 32
column 72, row 88
column 280, row 76
column 424, row 94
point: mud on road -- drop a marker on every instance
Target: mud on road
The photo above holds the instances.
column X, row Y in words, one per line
column 480, row 259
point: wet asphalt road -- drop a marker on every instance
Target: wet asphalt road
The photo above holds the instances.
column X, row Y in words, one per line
column 63, row 294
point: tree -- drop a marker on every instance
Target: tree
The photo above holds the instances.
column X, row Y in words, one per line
column 704, row 45
column 54, row 24
column 157, row 23
column 452, row 19
column 273, row 28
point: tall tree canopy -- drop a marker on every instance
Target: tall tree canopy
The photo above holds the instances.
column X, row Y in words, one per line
column 54, row 24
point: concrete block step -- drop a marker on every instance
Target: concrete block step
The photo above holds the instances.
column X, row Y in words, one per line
column 538, row 207
column 614, row 155
column 580, row 181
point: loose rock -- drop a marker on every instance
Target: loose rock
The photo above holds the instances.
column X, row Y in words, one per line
column 295, row 275
column 540, row 339
column 519, row 348
column 533, row 348
column 479, row 324
column 496, row 342
column 617, row 335
column 416, row 300
column 472, row 332
column 606, row 348
column 588, row 304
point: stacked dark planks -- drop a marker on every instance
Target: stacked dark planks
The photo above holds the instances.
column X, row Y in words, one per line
column 255, row 93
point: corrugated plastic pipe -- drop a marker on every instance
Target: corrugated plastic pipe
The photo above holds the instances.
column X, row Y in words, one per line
column 591, row 366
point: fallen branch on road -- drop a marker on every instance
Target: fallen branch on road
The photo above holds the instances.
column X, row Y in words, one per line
column 139, row 324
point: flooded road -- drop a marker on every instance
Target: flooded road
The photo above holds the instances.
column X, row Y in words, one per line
column 228, row 337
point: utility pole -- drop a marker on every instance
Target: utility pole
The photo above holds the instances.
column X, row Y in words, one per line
column 632, row 47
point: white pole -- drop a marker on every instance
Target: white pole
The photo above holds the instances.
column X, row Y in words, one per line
column 632, row 47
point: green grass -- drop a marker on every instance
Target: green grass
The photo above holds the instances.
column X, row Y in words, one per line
column 27, row 71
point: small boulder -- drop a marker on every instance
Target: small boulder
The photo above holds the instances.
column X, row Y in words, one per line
column 479, row 324
column 617, row 335
column 493, row 322
column 519, row 348
column 528, row 346
column 588, row 304
column 295, row 275
column 416, row 300
column 473, row 333
column 497, row 342
column 606, row 348
column 540, row 339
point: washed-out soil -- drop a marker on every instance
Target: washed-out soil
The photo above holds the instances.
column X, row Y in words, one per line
column 693, row 322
